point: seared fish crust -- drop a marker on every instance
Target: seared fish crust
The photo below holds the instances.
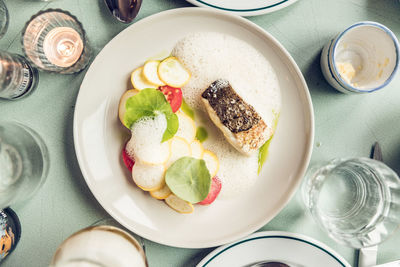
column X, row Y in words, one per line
column 239, row 122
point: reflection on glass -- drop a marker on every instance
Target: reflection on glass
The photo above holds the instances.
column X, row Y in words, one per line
column 4, row 17
column 24, row 163
column 357, row 201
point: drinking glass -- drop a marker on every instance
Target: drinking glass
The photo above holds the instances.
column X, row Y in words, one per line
column 100, row 246
column 24, row 163
column 4, row 17
column 17, row 77
column 54, row 40
column 357, row 201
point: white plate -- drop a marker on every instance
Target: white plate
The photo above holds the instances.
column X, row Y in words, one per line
column 244, row 7
column 99, row 136
column 299, row 250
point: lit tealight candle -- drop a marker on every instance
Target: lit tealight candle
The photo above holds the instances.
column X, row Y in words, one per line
column 63, row 46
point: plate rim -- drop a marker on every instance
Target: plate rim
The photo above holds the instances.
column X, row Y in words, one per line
column 245, row 12
column 309, row 136
column 275, row 234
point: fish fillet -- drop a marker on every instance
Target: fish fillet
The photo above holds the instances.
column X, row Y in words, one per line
column 241, row 125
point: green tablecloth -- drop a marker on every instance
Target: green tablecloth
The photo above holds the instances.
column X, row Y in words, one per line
column 346, row 125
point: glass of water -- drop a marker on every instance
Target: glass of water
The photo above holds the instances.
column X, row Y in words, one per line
column 357, row 201
column 24, row 163
column 54, row 40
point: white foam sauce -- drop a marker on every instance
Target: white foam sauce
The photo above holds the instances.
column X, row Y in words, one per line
column 210, row 56
column 145, row 143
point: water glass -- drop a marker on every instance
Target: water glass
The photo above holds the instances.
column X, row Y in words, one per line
column 24, row 163
column 357, row 201
column 4, row 18
column 54, row 40
column 100, row 246
column 17, row 77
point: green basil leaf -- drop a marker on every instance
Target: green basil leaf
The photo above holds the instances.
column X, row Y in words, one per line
column 189, row 179
column 150, row 103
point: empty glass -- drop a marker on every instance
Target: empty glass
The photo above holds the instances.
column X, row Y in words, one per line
column 54, row 40
column 357, row 201
column 24, row 163
column 3, row 18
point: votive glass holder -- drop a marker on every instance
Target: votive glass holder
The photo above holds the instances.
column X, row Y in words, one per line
column 54, row 40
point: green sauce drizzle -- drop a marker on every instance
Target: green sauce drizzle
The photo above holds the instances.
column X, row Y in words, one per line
column 263, row 151
column 187, row 110
column 201, row 134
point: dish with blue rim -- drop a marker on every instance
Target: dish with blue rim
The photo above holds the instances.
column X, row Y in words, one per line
column 290, row 248
column 244, row 8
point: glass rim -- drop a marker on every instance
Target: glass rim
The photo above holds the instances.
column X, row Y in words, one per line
column 344, row 238
column 46, row 162
column 84, row 40
column 347, row 86
column 4, row 30
column 109, row 228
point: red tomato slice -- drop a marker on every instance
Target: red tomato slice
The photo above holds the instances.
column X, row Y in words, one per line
column 128, row 161
column 173, row 95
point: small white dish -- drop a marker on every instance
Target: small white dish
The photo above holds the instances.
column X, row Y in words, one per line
column 293, row 249
column 244, row 8
column 99, row 136
column 362, row 59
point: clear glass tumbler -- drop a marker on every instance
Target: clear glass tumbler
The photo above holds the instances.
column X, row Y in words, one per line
column 54, row 40
column 17, row 77
column 4, row 18
column 357, row 201
column 24, row 163
column 100, row 246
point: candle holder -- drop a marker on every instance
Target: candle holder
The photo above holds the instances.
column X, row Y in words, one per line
column 54, row 40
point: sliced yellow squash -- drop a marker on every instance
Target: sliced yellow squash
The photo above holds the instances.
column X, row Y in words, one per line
column 138, row 80
column 172, row 72
column 122, row 102
column 178, row 204
column 212, row 162
column 154, row 154
column 197, row 149
column 148, row 177
column 150, row 72
column 187, row 128
column 162, row 193
column 179, row 148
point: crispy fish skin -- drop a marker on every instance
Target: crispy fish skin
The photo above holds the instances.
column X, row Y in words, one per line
column 239, row 122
